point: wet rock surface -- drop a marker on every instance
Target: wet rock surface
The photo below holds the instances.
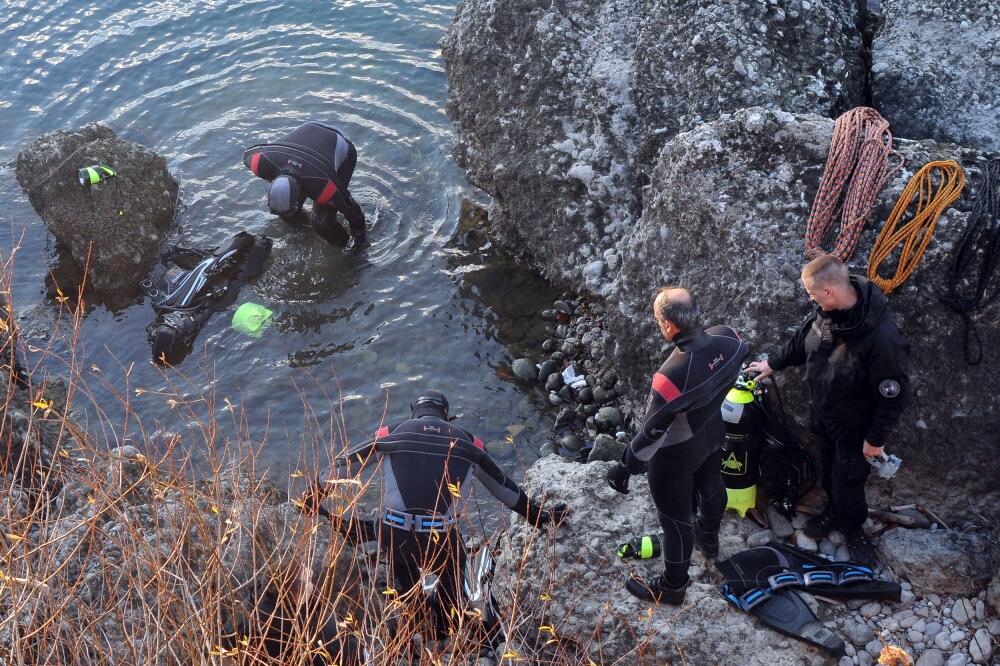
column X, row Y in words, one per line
column 936, row 67
column 115, row 227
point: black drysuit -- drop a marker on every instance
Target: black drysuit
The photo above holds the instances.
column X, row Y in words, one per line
column 858, row 387
column 322, row 159
column 681, row 438
column 427, row 467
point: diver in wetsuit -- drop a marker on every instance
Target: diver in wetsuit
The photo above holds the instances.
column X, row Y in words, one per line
column 314, row 161
column 681, row 439
column 427, row 467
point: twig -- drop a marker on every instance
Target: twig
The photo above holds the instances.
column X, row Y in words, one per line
column 896, row 518
column 933, row 516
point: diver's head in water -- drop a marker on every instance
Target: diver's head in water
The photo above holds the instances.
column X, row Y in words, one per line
column 284, row 196
column 430, row 403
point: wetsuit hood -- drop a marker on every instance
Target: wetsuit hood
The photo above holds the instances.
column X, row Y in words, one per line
column 284, row 195
column 870, row 310
column 430, row 403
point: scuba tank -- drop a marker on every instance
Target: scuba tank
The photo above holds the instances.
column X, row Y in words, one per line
column 741, row 447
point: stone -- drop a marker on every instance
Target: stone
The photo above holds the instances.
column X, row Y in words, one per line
column 858, row 633
column 609, row 416
column 799, row 520
column 981, row 647
column 602, row 395
column 906, row 597
column 957, row 659
column 843, row 553
column 805, row 542
column 524, row 368
column 957, row 636
column 870, row 610
column 933, row 628
column 908, row 621
column 586, row 394
column 931, row 657
column 874, row 648
column 570, row 442
column 865, row 659
column 606, row 448
column 780, row 525
column 566, row 393
column 760, row 538
column 115, row 227
column 940, row 94
column 548, row 449
column 547, row 369
column 939, row 561
column 549, row 345
column 994, row 627
column 565, row 417
column 914, row 636
column 554, row 382
column 837, row 538
column 962, row 611
column 942, row 641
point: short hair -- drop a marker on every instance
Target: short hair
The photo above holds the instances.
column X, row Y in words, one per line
column 682, row 312
column 826, row 270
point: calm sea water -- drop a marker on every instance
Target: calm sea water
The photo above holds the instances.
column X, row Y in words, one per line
column 355, row 337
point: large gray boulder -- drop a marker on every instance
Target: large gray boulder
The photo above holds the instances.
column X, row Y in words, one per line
column 936, row 70
column 573, row 583
column 940, row 561
column 725, row 214
column 115, row 227
column 561, row 107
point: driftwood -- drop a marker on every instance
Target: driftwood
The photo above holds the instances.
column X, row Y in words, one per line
column 894, row 518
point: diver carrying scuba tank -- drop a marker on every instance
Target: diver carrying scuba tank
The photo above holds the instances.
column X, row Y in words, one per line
column 201, row 283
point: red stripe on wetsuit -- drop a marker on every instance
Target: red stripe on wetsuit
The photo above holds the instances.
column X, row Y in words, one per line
column 327, row 193
column 666, row 388
column 254, row 161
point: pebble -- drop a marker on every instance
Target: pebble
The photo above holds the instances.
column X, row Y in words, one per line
column 981, row 647
column 845, row 661
column 554, row 382
column 933, row 628
column 548, row 449
column 891, row 625
column 942, row 641
column 760, row 538
column 874, row 647
column 934, row 599
column 957, row 659
column 962, row 611
column 804, row 542
column 524, row 368
column 799, row 520
column 922, row 611
column 555, row 399
column 837, row 538
column 571, row 442
column 609, row 415
column 827, row 547
column 920, row 625
column 957, row 636
column 994, row 627
column 908, row 621
column 870, row 610
column 546, row 369
column 858, row 633
column 549, row 345
column 865, row 659
column 931, row 658
column 907, row 597
column 914, row 636
column 980, row 610
column 780, row 525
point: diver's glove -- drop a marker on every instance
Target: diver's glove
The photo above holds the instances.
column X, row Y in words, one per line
column 618, row 478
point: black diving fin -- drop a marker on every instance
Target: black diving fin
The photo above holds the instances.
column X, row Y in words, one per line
column 785, row 612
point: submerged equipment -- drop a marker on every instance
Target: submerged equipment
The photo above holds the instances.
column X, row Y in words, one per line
column 185, row 299
column 644, row 547
column 980, row 246
column 856, row 170
column 762, row 581
column 94, row 174
column 743, row 417
column 915, row 234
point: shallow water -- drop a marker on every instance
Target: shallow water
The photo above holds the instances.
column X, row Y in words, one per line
column 355, row 336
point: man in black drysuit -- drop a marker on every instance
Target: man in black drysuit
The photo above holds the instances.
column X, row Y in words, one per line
column 315, row 161
column 681, row 440
column 855, row 361
column 427, row 467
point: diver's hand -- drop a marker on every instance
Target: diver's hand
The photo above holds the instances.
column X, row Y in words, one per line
column 872, row 451
column 762, row 369
column 618, row 478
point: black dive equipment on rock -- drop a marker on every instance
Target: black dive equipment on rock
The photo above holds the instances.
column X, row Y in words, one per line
column 759, row 452
column 201, row 283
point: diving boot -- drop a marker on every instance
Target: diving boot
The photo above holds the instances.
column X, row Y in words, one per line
column 819, row 526
column 707, row 542
column 656, row 590
column 861, row 547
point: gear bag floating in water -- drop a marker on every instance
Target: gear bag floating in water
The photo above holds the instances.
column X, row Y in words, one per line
column 744, row 421
column 185, row 299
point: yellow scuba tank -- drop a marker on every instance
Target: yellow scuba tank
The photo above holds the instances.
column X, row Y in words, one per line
column 741, row 447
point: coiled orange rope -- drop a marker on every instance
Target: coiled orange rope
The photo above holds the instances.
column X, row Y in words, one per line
column 915, row 234
column 856, row 170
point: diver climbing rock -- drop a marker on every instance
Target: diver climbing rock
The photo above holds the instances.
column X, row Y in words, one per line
column 855, row 360
column 681, row 438
column 314, row 161
column 427, row 467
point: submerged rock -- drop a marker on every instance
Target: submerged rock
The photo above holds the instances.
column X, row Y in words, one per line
column 114, row 227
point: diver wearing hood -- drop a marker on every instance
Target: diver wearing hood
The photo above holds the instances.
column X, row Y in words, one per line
column 427, row 467
column 314, row 161
column 855, row 360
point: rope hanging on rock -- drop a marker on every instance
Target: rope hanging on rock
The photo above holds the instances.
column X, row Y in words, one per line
column 980, row 244
column 856, row 170
column 915, row 234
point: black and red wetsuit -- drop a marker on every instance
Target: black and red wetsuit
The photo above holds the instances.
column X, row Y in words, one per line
column 427, row 467
column 681, row 438
column 322, row 158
